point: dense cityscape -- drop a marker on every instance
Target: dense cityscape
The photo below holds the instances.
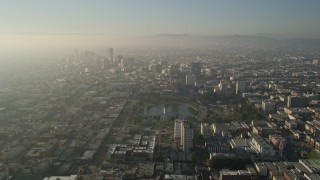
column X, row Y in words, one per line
column 241, row 113
column 159, row 90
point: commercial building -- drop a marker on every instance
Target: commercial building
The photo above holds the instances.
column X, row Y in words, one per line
column 177, row 128
column 196, row 68
column 190, row 80
column 313, row 166
column 261, row 146
column 268, row 106
column 263, row 128
column 71, row 177
column 141, row 149
column 238, row 143
column 279, row 142
column 186, row 137
column 240, row 87
column 126, row 62
column 111, row 54
column 227, row 174
column 205, row 130
column 300, row 100
column 261, row 168
column 218, row 128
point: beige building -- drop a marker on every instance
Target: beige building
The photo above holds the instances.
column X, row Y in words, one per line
column 205, row 130
column 261, row 146
column 177, row 128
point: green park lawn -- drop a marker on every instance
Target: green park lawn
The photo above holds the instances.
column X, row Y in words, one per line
column 314, row 155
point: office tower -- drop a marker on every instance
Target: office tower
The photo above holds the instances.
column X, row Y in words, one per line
column 127, row 62
column 118, row 63
column 104, row 63
column 240, row 87
column 196, row 68
column 156, row 68
column 111, row 54
column 205, row 130
column 268, row 106
column 164, row 63
column 190, row 80
column 174, row 69
column 147, row 65
column 177, row 128
column 300, row 101
column 293, row 101
column 186, row 137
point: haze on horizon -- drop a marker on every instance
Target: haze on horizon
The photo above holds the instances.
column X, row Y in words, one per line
column 37, row 25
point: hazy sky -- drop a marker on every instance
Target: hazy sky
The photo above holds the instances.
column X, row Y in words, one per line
column 38, row 28
column 139, row 17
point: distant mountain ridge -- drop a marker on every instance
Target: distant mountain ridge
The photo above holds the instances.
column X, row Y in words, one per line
column 241, row 39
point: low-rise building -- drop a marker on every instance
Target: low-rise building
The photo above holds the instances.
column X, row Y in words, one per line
column 313, row 166
column 227, row 174
column 261, row 169
column 261, row 146
column 71, row 177
column 238, row 143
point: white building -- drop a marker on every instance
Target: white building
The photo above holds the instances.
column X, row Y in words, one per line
column 261, row 146
column 218, row 128
column 71, row 177
column 238, row 143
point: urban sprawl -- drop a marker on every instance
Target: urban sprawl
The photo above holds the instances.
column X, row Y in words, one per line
column 220, row 113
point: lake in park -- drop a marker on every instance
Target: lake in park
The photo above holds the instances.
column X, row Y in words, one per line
column 168, row 111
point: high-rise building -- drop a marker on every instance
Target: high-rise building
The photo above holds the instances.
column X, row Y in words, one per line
column 118, row 63
column 186, row 137
column 240, row 87
column 293, row 101
column 126, row 62
column 177, row 128
column 111, row 54
column 190, row 80
column 104, row 63
column 174, row 69
column 300, row 101
column 268, row 106
column 156, row 68
column 205, row 130
column 196, row 68
column 164, row 63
